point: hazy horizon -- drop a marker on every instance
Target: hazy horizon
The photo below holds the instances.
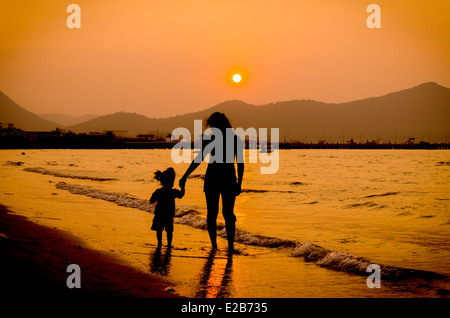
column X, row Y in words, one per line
column 229, row 100
column 48, row 115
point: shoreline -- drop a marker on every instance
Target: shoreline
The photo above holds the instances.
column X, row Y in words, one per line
column 35, row 259
column 127, row 144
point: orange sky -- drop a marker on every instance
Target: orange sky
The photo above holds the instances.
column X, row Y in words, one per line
column 163, row 58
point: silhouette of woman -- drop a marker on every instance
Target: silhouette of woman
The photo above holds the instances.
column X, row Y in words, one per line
column 220, row 176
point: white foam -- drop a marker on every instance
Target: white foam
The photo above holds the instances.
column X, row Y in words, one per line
column 324, row 257
column 119, row 199
column 61, row 174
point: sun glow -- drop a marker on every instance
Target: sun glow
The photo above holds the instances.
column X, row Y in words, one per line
column 237, row 76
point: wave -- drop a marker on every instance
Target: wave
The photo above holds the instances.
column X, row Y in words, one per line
column 265, row 190
column 117, row 198
column 297, row 183
column 358, row 265
column 65, row 175
column 202, row 177
column 254, row 191
column 310, row 252
column 361, row 205
column 242, row 237
column 380, row 195
column 370, row 204
column 196, row 176
column 14, row 163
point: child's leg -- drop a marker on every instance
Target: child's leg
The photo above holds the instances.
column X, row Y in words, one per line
column 159, row 237
column 169, row 238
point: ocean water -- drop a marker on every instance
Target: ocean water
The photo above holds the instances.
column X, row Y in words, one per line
column 310, row 230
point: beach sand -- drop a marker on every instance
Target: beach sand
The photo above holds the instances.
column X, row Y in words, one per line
column 35, row 259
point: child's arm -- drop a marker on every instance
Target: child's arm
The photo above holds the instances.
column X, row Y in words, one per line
column 154, row 197
column 179, row 193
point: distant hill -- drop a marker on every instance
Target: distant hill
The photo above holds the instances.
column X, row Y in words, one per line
column 422, row 112
column 10, row 112
column 66, row 120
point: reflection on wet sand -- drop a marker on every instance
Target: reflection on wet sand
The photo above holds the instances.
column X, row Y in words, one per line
column 159, row 263
column 215, row 278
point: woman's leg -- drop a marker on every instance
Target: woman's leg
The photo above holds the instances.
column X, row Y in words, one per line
column 228, row 200
column 169, row 238
column 212, row 205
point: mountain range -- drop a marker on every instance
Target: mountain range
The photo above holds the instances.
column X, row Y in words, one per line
column 421, row 112
column 11, row 113
column 67, row 120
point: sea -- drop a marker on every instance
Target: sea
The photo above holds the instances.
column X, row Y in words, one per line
column 309, row 230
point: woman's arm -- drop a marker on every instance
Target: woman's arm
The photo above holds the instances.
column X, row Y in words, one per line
column 194, row 164
column 239, row 154
column 240, row 172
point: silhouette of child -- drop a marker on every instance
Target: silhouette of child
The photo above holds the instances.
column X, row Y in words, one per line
column 165, row 204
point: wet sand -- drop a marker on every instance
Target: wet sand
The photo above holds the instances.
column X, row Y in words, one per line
column 35, row 259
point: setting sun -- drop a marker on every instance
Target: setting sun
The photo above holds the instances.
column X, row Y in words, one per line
column 236, row 76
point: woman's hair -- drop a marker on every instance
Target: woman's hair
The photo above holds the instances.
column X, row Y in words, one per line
column 218, row 120
column 167, row 177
